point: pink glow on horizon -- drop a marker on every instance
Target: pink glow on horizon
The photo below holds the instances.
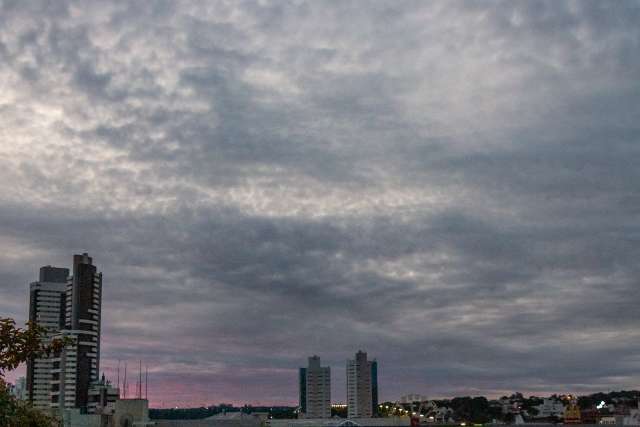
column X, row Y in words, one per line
column 169, row 394
column 166, row 394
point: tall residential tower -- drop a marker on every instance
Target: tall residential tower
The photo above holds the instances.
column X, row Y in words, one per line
column 302, row 382
column 80, row 362
column 362, row 386
column 46, row 309
column 317, row 389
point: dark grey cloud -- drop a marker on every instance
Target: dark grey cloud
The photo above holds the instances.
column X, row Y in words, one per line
column 450, row 186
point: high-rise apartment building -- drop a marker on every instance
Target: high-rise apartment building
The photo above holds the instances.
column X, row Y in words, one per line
column 360, row 394
column 65, row 380
column 80, row 362
column 46, row 309
column 317, row 390
column 374, row 387
column 302, row 382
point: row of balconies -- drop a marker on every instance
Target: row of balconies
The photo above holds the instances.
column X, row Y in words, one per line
column 48, row 295
column 50, row 316
column 47, row 306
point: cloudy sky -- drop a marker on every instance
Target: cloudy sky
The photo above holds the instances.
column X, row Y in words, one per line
column 450, row 186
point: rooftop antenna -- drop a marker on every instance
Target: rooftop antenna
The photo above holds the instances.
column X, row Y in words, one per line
column 119, row 378
column 146, row 382
column 125, row 380
column 140, row 380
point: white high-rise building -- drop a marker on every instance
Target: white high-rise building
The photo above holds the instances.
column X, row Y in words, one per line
column 318, row 389
column 359, row 387
column 46, row 309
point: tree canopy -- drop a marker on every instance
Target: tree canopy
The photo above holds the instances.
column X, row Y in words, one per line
column 17, row 345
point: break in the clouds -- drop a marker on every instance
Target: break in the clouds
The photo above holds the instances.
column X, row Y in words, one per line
column 451, row 186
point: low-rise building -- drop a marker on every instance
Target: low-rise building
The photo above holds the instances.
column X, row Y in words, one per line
column 19, row 390
column 550, row 408
column 230, row 419
column 414, row 397
column 125, row 413
column 102, row 397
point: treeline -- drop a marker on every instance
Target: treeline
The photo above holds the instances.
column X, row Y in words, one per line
column 276, row 412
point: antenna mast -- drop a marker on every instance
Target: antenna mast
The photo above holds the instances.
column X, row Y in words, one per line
column 146, row 382
column 125, row 380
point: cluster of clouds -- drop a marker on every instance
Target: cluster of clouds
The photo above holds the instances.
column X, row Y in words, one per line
column 451, row 186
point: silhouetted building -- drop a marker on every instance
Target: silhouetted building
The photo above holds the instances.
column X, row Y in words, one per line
column 302, row 381
column 374, row 387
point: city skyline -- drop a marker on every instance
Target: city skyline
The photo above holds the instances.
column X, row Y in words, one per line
column 450, row 186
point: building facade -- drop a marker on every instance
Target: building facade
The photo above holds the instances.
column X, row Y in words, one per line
column 79, row 363
column 102, row 397
column 318, row 389
column 359, row 387
column 47, row 299
column 550, row 408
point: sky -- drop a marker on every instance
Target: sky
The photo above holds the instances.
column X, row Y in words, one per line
column 452, row 187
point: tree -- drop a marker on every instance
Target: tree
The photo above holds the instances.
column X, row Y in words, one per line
column 18, row 345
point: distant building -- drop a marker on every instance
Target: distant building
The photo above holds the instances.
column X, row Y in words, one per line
column 302, row 383
column 47, row 302
column 550, row 408
column 132, row 412
column 19, row 390
column 374, row 387
column 411, row 398
column 318, row 390
column 360, row 386
column 510, row 406
column 125, row 413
